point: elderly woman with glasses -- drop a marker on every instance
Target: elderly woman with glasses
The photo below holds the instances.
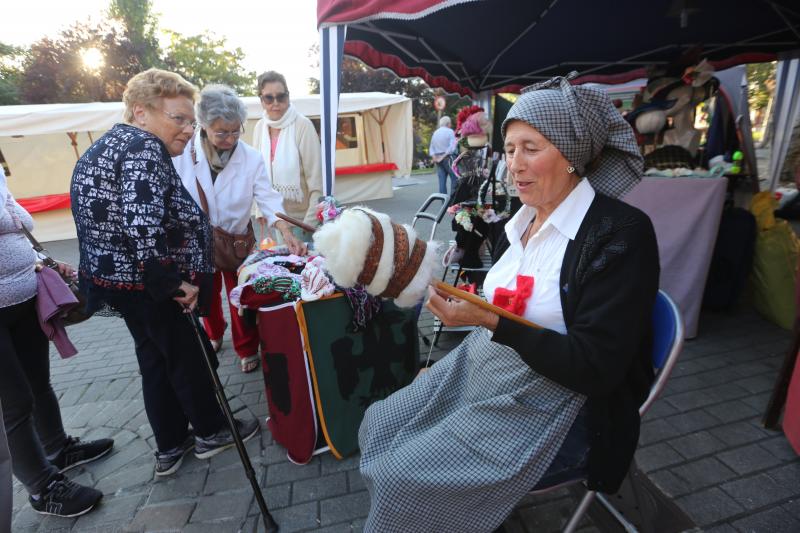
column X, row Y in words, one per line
column 224, row 176
column 290, row 147
column 145, row 252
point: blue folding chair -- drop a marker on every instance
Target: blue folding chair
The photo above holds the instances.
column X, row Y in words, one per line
column 667, row 345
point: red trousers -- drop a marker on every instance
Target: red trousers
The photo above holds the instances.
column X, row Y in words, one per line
column 245, row 337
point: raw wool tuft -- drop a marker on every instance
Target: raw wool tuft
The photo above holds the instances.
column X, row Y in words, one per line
column 344, row 244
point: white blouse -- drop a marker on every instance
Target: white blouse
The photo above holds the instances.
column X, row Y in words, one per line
column 541, row 257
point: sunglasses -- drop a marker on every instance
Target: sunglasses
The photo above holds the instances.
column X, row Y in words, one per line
column 270, row 98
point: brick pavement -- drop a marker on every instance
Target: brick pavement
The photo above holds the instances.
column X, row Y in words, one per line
column 701, row 443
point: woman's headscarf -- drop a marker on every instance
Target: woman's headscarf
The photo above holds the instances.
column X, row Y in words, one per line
column 586, row 128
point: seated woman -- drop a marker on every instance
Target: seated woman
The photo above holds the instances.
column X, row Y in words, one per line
column 513, row 407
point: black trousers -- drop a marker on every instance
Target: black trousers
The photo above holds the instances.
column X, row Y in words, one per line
column 31, row 413
column 176, row 385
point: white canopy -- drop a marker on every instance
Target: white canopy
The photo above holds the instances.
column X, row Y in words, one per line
column 41, row 143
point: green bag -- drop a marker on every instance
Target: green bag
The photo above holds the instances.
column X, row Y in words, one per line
column 350, row 371
column 775, row 268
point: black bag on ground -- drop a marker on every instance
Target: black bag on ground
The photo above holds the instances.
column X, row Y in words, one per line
column 732, row 259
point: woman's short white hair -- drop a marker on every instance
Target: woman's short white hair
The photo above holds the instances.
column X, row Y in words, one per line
column 445, row 122
column 220, row 102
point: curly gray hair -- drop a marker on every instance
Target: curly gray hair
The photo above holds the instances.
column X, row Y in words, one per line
column 220, row 102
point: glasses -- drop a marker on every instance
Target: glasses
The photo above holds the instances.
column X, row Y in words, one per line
column 270, row 98
column 180, row 120
column 222, row 135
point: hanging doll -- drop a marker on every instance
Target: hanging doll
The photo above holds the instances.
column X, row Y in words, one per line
column 473, row 167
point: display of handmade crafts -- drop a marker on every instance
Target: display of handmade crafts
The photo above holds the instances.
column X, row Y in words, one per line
column 672, row 93
column 364, row 247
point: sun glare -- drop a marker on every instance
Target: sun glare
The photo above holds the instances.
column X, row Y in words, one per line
column 92, row 59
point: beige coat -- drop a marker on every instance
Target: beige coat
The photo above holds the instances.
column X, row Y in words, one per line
column 310, row 165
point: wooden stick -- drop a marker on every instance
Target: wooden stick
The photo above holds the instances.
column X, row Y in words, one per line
column 480, row 302
column 299, row 223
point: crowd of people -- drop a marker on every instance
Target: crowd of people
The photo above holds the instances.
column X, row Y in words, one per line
column 149, row 199
column 155, row 201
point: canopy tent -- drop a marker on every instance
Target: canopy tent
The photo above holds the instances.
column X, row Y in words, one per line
column 476, row 47
column 471, row 46
column 40, row 144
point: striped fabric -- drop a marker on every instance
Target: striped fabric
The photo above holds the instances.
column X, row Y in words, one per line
column 331, row 45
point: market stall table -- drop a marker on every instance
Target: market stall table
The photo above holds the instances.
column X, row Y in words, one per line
column 686, row 214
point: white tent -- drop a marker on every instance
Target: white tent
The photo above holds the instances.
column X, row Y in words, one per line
column 40, row 144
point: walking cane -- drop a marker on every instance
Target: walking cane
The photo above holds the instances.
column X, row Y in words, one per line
column 269, row 522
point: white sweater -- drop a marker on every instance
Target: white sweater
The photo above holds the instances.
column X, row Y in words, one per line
column 17, row 258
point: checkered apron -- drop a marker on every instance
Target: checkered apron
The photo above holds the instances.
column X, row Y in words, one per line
column 461, row 445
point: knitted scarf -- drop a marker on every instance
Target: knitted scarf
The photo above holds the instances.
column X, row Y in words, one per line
column 284, row 170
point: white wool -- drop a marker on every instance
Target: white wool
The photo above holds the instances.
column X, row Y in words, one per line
column 344, row 244
column 417, row 287
column 386, row 265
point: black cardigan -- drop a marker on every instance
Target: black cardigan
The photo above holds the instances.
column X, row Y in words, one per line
column 609, row 281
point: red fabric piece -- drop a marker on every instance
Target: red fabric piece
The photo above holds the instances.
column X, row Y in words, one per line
column 292, row 419
column 364, row 169
column 245, row 336
column 375, row 59
column 252, row 300
column 48, row 202
column 344, row 11
column 515, row 300
column 471, row 288
column 791, row 413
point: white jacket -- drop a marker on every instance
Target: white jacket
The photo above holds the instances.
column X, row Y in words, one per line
column 230, row 197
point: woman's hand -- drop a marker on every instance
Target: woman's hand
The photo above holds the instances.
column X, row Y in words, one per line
column 189, row 298
column 296, row 246
column 65, row 270
column 454, row 312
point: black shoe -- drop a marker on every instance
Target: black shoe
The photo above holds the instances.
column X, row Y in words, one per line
column 208, row 447
column 168, row 462
column 76, row 453
column 63, row 497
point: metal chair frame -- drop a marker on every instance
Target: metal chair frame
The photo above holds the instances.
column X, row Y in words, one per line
column 434, row 217
column 665, row 355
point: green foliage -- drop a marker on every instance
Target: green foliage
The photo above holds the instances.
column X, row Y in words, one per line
column 140, row 26
column 204, row 59
column 53, row 70
column 760, row 84
column 11, row 60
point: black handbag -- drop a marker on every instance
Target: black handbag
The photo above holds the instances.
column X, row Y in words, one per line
column 78, row 313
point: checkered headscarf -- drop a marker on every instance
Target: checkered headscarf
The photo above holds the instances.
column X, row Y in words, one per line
column 586, row 128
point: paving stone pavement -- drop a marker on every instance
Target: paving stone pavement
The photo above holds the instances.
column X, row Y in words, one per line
column 701, row 443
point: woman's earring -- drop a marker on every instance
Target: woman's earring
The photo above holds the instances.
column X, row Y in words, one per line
column 570, row 169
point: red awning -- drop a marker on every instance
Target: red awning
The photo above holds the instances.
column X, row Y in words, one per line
column 365, row 169
column 48, row 202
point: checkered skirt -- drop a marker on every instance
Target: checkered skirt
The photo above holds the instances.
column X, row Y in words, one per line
column 461, row 445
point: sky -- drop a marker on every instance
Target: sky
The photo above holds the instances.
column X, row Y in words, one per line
column 274, row 34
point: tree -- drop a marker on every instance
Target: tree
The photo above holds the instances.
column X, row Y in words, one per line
column 204, row 59
column 11, row 60
column 358, row 77
column 760, row 84
column 56, row 70
column 139, row 26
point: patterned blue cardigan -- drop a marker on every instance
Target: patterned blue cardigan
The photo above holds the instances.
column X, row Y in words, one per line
column 139, row 230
